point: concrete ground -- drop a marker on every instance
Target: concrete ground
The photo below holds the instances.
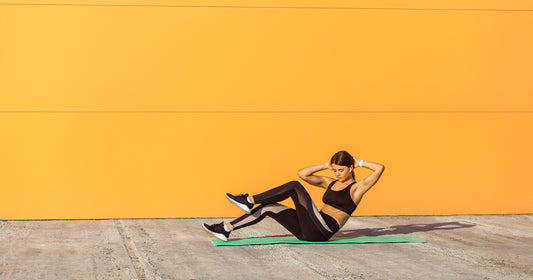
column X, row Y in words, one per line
column 458, row 247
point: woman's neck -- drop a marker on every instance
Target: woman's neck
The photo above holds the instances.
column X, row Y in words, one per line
column 347, row 181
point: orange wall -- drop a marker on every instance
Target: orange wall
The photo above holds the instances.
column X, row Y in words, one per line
column 137, row 109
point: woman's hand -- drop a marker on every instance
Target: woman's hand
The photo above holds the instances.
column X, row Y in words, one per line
column 356, row 162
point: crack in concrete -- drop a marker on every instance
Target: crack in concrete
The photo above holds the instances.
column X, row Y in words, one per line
column 133, row 253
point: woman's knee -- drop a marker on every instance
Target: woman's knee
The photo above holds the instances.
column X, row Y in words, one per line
column 295, row 184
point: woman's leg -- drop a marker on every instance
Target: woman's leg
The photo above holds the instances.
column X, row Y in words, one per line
column 284, row 215
column 305, row 222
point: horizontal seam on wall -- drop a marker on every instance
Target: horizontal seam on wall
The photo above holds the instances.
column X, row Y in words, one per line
column 269, row 112
column 263, row 7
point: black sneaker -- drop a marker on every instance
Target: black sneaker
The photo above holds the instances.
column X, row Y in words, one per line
column 241, row 202
column 217, row 230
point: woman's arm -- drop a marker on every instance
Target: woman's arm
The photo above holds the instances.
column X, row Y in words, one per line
column 320, row 181
column 364, row 185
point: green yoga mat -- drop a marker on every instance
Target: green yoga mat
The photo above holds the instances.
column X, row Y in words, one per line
column 335, row 240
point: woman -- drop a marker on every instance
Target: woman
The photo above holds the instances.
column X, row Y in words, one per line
column 305, row 222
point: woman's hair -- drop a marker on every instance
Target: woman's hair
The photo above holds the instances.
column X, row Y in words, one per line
column 343, row 158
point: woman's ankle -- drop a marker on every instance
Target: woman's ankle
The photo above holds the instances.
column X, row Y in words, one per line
column 228, row 227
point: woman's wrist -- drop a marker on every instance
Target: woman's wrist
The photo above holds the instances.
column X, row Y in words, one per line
column 361, row 163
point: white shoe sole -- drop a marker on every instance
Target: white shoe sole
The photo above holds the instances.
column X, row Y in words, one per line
column 240, row 205
column 216, row 234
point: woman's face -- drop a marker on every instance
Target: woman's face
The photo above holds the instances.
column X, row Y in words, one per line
column 342, row 173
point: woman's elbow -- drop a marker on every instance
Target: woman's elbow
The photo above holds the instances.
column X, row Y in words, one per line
column 301, row 174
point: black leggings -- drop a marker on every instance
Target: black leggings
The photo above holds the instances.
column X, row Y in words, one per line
column 305, row 222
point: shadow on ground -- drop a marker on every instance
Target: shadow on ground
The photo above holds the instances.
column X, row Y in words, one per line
column 394, row 230
column 402, row 229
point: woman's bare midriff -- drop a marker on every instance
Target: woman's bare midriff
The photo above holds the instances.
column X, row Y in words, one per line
column 340, row 216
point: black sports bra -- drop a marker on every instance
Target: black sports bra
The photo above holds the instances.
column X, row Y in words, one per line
column 341, row 200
